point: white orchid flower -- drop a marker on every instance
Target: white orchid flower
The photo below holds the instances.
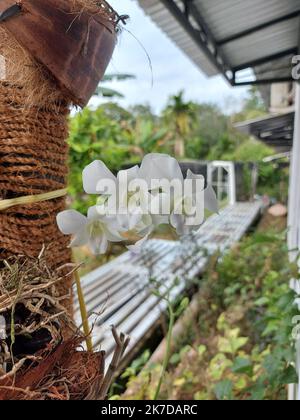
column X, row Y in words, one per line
column 165, row 181
column 97, row 179
column 95, row 230
column 188, row 211
column 132, row 199
column 188, row 214
column 138, row 200
column 210, row 197
column 185, row 218
column 92, row 174
column 144, row 229
column 156, row 166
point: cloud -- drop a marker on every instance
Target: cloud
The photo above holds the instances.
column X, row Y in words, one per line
column 172, row 69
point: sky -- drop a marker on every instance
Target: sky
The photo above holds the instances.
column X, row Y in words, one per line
column 172, row 69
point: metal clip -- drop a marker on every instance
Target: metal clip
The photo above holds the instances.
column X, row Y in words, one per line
column 123, row 19
column 10, row 12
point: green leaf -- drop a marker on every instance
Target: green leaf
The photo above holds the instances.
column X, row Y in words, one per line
column 202, row 350
column 257, row 392
column 263, row 301
column 241, row 365
column 223, row 390
column 218, row 365
column 108, row 93
column 183, row 306
column 118, row 77
column 289, row 376
column 271, row 328
column 232, row 343
column 175, row 359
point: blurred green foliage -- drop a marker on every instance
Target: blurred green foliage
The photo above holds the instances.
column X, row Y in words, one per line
column 242, row 347
column 121, row 137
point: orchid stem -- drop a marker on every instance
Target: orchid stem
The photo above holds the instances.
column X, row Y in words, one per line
column 84, row 313
column 168, row 352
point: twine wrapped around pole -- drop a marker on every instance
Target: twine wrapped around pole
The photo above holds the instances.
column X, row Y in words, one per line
column 33, row 160
column 31, row 199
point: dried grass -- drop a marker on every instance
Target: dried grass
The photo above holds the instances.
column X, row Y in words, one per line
column 58, row 370
column 63, row 373
column 31, row 305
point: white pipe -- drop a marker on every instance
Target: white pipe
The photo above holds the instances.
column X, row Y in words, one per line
column 294, row 216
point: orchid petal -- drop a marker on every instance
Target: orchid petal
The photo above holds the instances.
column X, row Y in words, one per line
column 93, row 213
column 112, row 229
column 161, row 204
column 131, row 173
column 123, row 221
column 178, row 222
column 98, row 244
column 137, row 247
column 133, row 220
column 92, row 174
column 70, row 221
column 210, row 200
column 160, row 166
column 112, row 235
column 192, row 175
column 195, row 177
column 145, row 227
column 81, row 238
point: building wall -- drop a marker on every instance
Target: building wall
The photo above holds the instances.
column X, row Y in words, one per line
column 282, row 98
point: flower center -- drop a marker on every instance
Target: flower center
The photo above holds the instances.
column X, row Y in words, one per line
column 96, row 228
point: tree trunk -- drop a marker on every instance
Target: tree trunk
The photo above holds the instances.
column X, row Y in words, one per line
column 179, row 147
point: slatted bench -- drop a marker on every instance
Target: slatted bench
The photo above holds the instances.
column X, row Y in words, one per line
column 120, row 292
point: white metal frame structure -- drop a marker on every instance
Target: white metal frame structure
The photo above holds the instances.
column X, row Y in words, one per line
column 294, row 217
column 229, row 186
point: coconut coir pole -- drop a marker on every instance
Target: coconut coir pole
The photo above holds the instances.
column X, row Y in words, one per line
column 40, row 79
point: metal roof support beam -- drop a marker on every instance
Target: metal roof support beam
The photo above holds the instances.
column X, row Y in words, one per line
column 202, row 35
column 264, row 81
column 266, row 59
column 258, row 28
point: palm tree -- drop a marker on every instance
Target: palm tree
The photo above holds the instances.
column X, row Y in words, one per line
column 111, row 93
column 180, row 114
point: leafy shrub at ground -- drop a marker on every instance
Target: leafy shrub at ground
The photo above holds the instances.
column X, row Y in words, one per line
column 242, row 346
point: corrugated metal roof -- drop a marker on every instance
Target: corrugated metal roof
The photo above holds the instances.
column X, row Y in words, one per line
column 228, row 18
column 169, row 25
column 272, row 40
column 274, row 130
